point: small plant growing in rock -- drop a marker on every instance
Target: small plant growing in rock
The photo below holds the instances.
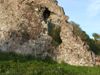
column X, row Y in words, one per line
column 54, row 32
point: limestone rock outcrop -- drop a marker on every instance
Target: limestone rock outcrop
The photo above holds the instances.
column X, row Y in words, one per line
column 73, row 50
column 24, row 28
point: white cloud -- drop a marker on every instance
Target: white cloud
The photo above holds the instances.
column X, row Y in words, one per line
column 93, row 8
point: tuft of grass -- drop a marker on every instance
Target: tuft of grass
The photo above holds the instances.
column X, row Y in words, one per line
column 15, row 64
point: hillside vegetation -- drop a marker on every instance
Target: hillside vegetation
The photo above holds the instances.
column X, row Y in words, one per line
column 41, row 28
column 94, row 43
column 13, row 64
column 16, row 64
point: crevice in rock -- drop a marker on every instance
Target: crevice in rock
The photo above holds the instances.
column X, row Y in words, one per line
column 52, row 29
column 54, row 32
column 46, row 14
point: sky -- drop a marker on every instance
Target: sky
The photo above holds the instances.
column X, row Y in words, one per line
column 86, row 13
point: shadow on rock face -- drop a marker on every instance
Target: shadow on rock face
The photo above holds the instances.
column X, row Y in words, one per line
column 46, row 14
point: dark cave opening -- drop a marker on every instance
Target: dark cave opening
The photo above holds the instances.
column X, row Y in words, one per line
column 46, row 14
column 53, row 31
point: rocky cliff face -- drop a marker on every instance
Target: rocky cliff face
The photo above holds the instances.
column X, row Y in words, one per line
column 73, row 50
column 24, row 28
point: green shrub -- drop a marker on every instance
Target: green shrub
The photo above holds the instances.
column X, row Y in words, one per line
column 54, row 32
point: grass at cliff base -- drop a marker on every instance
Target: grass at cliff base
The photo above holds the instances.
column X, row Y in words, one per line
column 13, row 64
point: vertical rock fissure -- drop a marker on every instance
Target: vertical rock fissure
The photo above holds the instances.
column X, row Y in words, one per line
column 46, row 14
column 52, row 29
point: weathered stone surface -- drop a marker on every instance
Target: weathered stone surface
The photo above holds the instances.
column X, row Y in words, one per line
column 24, row 29
column 73, row 50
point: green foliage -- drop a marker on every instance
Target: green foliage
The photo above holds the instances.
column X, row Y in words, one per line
column 96, row 36
column 94, row 44
column 13, row 64
column 54, row 32
column 82, row 34
column 79, row 32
